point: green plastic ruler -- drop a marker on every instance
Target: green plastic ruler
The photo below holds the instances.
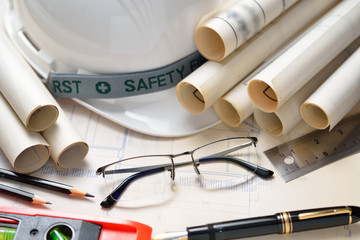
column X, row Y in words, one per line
column 317, row 149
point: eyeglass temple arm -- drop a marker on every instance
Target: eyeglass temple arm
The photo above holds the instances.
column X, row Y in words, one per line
column 111, row 199
column 258, row 170
column 229, row 150
column 137, row 169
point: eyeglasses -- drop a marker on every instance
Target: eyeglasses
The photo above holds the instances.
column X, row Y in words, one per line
column 217, row 164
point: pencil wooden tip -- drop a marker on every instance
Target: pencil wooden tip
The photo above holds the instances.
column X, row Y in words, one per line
column 78, row 193
column 39, row 200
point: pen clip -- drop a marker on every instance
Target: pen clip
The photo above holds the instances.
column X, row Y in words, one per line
column 325, row 213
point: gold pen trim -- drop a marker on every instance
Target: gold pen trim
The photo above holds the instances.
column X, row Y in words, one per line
column 325, row 213
column 287, row 226
column 282, row 222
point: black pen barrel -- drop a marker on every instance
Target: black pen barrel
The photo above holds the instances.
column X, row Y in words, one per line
column 282, row 223
column 323, row 218
column 236, row 229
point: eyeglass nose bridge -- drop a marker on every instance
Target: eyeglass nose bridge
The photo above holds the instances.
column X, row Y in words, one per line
column 172, row 167
column 181, row 154
column 192, row 159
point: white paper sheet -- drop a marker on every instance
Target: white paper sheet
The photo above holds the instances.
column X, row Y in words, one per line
column 235, row 106
column 332, row 185
column 27, row 151
column 288, row 115
column 67, row 147
column 201, row 89
column 336, row 96
column 279, row 81
column 18, row 85
column 233, row 25
column 335, row 184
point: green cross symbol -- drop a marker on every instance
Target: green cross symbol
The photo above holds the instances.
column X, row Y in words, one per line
column 103, row 87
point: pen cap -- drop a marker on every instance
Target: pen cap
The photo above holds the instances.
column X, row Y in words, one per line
column 112, row 38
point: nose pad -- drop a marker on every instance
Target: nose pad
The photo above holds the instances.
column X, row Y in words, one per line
column 195, row 166
column 171, row 169
column 173, row 185
column 172, row 174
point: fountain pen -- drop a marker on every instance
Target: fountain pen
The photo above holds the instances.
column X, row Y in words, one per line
column 282, row 223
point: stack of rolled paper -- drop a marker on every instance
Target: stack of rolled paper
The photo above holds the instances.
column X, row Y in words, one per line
column 284, row 61
column 33, row 127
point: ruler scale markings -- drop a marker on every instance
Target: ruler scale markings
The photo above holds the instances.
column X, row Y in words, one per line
column 315, row 150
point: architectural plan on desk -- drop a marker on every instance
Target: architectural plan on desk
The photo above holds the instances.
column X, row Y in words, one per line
column 333, row 185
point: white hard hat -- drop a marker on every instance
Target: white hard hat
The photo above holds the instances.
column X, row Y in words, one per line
column 135, row 51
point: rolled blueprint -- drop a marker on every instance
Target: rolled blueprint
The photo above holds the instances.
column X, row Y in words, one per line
column 286, row 117
column 235, row 106
column 335, row 97
column 229, row 28
column 325, row 39
column 18, row 85
column 67, row 146
column 27, row 151
column 203, row 87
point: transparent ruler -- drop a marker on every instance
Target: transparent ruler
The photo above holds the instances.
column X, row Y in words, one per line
column 317, row 149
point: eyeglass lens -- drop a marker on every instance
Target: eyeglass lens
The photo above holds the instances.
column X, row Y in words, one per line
column 218, row 162
column 139, row 178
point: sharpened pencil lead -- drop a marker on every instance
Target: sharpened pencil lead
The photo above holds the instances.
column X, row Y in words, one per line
column 89, row 195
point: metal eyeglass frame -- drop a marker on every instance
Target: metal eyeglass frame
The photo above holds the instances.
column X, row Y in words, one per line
column 109, row 201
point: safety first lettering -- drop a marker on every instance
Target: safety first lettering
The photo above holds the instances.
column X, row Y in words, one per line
column 160, row 81
column 130, row 85
column 122, row 85
column 66, row 86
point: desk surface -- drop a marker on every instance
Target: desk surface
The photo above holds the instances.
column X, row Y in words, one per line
column 332, row 185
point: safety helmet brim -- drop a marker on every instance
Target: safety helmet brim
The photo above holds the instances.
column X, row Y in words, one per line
column 162, row 116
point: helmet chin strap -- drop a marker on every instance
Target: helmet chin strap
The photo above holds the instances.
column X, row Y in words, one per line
column 64, row 85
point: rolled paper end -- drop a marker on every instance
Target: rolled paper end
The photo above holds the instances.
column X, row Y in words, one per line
column 72, row 155
column 215, row 39
column 269, row 122
column 190, row 98
column 42, row 118
column 227, row 113
column 31, row 159
column 314, row 116
column 263, row 96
